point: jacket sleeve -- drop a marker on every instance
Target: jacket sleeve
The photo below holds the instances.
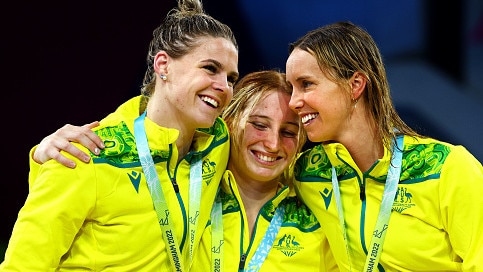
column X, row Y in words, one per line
column 34, row 166
column 58, row 202
column 462, row 206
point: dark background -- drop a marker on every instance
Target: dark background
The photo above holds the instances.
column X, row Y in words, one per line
column 75, row 62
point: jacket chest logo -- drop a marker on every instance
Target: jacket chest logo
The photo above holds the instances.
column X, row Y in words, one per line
column 403, row 200
column 135, row 178
column 288, row 245
column 326, row 195
column 209, row 170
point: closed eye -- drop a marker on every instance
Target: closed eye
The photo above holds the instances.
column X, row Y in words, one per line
column 211, row 68
column 289, row 133
column 258, row 125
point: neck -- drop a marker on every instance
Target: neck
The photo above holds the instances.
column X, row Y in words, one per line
column 159, row 112
column 363, row 141
column 254, row 194
column 366, row 154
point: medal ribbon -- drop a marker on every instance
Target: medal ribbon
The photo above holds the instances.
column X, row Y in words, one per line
column 382, row 223
column 159, row 200
column 262, row 250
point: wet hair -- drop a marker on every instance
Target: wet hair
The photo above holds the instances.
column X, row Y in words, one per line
column 179, row 34
column 343, row 48
column 248, row 92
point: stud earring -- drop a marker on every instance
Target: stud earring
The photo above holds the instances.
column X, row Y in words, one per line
column 355, row 100
column 163, row 77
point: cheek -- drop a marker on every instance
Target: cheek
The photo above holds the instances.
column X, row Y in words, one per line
column 253, row 135
column 229, row 97
column 325, row 104
column 229, row 94
column 313, row 100
column 290, row 146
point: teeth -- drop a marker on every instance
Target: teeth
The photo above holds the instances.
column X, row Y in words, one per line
column 308, row 117
column 266, row 158
column 210, row 101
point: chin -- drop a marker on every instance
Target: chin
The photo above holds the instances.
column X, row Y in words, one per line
column 206, row 122
column 314, row 137
column 268, row 175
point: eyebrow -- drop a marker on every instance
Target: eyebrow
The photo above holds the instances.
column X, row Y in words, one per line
column 301, row 78
column 268, row 118
column 219, row 65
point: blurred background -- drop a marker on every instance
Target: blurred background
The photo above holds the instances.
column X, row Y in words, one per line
column 76, row 62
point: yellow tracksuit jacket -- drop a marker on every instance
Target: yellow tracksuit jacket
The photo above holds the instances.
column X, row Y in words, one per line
column 100, row 216
column 436, row 222
column 299, row 245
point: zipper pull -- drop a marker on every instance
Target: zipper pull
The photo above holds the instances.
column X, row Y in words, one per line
column 362, row 192
column 243, row 258
column 175, row 185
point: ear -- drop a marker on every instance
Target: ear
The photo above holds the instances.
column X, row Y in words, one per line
column 358, row 84
column 161, row 62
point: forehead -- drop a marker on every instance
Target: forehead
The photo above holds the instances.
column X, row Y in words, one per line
column 218, row 49
column 275, row 105
column 300, row 59
column 301, row 65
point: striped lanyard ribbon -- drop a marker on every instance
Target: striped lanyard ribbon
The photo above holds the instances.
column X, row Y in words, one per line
column 382, row 223
column 159, row 200
column 262, row 251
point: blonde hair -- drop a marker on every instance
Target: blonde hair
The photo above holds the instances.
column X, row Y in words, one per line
column 342, row 49
column 179, row 34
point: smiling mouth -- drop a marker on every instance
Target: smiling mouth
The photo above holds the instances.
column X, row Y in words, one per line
column 308, row 117
column 209, row 101
column 265, row 158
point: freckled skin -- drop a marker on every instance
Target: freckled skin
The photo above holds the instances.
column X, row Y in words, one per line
column 266, row 134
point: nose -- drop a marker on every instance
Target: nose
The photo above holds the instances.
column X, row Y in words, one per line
column 272, row 141
column 296, row 100
column 221, row 83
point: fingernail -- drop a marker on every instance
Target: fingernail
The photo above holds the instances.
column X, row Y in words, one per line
column 96, row 151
